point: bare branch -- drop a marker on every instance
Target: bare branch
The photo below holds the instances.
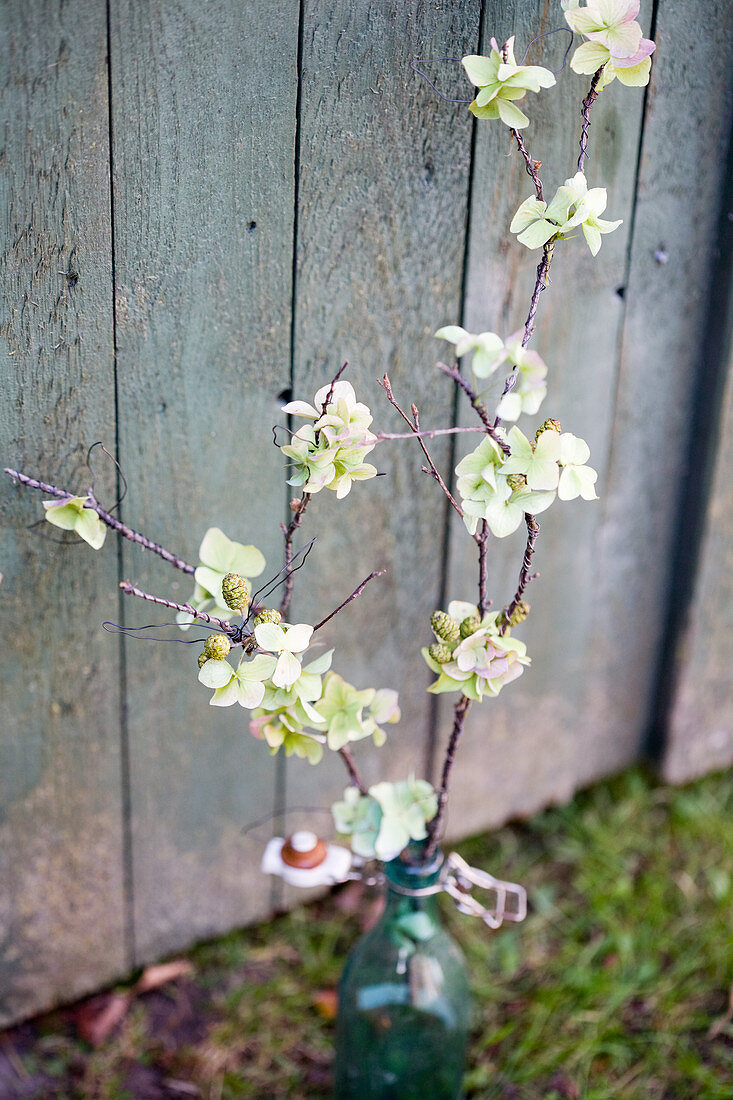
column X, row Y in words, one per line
column 352, row 769
column 531, row 165
column 298, row 505
column 109, row 520
column 414, row 425
column 357, row 592
column 220, row 624
column 533, row 530
column 585, row 115
column 434, row 826
column 482, row 540
column 425, row 433
column 489, row 427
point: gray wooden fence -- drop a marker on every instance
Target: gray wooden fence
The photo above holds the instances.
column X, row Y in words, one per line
column 208, row 204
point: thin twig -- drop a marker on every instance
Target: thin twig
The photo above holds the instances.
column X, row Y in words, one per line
column 529, row 325
column 425, row 433
column 585, row 115
column 459, row 717
column 352, row 769
column 489, row 427
column 141, row 540
column 414, row 425
column 482, row 540
column 331, row 388
column 299, row 506
column 533, row 530
column 32, row 483
column 357, row 592
column 530, row 165
column 109, row 520
column 221, row 624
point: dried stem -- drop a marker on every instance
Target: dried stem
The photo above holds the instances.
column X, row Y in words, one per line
column 357, row 592
column 489, row 428
column 459, row 717
column 107, row 519
column 352, row 769
column 414, row 425
column 220, row 624
column 529, row 325
column 425, row 433
column 299, row 506
column 482, row 539
column 533, row 530
column 531, row 165
column 585, row 115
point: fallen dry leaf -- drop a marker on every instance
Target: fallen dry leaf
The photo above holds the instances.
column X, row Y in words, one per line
column 153, row 977
column 97, row 1018
column 325, row 1003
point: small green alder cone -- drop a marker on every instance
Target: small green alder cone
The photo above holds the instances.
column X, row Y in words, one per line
column 517, row 482
column 267, row 616
column 202, row 659
column 216, row 647
column 445, row 627
column 470, row 625
column 549, row 425
column 236, row 591
column 440, row 653
column 518, row 615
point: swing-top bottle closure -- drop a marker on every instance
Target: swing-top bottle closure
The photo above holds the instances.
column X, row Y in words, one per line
column 303, row 859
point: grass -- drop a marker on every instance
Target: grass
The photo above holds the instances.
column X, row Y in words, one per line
column 616, row 986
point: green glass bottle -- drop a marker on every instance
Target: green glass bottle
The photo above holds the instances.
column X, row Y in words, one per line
column 404, row 1000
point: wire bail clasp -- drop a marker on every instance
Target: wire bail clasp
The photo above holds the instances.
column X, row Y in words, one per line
column 461, row 878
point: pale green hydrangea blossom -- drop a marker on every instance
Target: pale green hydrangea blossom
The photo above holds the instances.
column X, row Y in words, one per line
column 244, row 685
column 576, row 479
column 312, row 713
column 501, row 83
column 219, row 555
column 482, row 663
column 487, row 494
column 530, row 388
column 72, row 514
column 615, row 41
column 488, row 349
column 491, row 352
column 384, row 821
column 287, row 642
column 351, row 715
column 573, row 205
column 555, row 461
column 330, row 453
column 284, row 729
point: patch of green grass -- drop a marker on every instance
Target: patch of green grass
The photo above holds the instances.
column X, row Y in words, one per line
column 616, row 986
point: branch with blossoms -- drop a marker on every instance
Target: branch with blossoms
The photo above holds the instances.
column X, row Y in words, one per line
column 253, row 657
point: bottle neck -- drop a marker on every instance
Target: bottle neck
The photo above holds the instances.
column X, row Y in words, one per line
column 412, row 882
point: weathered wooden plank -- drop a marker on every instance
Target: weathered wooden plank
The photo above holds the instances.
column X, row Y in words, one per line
column 699, row 734
column 383, row 185
column 537, row 742
column 61, row 866
column 204, row 123
column 664, row 330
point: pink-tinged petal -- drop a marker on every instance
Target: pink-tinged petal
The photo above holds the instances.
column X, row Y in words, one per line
column 622, row 40
column 613, row 12
column 646, row 49
column 466, row 661
column 257, row 725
